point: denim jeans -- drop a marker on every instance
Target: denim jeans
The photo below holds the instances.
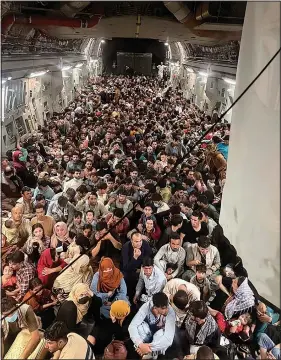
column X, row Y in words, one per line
column 266, row 343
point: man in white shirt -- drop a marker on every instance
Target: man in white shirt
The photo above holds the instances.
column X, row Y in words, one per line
column 75, row 182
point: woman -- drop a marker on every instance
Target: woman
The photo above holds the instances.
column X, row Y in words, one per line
column 49, row 265
column 242, row 300
column 151, row 233
column 114, row 328
column 36, row 243
column 78, row 272
column 60, row 236
column 199, row 183
column 109, row 285
column 75, row 307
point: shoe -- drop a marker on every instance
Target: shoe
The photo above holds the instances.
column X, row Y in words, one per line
column 150, row 356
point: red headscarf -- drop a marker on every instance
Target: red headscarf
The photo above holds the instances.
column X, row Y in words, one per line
column 18, row 165
column 46, row 261
column 108, row 281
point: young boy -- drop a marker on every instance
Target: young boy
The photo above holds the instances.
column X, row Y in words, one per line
column 203, row 284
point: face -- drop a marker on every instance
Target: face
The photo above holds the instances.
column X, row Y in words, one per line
column 194, row 221
column 122, row 198
column 52, row 346
column 244, row 319
column 77, row 220
column 8, row 272
column 39, row 289
column 88, row 165
column 147, row 270
column 175, row 244
column 161, row 311
column 147, row 211
column 149, row 225
column 40, row 213
column 92, row 200
column 87, row 232
column 200, row 275
column 38, row 233
column 89, row 217
column 190, row 175
column 77, row 175
column 27, row 195
column 198, row 320
column 60, row 231
column 14, row 266
column 75, row 158
column 17, row 214
column 137, row 241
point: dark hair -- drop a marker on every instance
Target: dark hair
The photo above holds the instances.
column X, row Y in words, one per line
column 102, row 186
column 101, row 225
column 62, row 201
column 176, row 219
column 78, row 214
column 90, row 211
column 17, row 257
column 88, row 226
column 201, row 268
column 82, row 189
column 24, row 189
column 94, row 193
column 71, row 192
column 174, row 236
column 42, row 182
column 180, row 299
column 118, row 212
column 202, row 199
column 197, row 213
column 39, row 206
column 38, row 226
column 7, row 304
column 198, row 309
column 33, row 283
column 205, row 353
column 147, row 261
column 240, row 280
column 175, row 210
column 204, row 242
column 56, row 331
column 53, row 253
column 160, row 300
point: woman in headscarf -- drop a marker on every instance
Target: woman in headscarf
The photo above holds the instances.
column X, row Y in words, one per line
column 109, row 285
column 49, row 265
column 60, row 236
column 75, row 307
column 114, row 328
column 78, row 272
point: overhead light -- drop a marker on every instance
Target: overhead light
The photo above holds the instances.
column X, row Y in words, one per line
column 190, row 70
column 39, row 73
column 66, row 68
column 79, row 65
column 229, row 81
column 9, row 78
column 166, row 44
column 202, row 73
column 102, row 41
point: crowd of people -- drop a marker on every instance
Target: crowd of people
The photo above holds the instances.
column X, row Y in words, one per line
column 111, row 242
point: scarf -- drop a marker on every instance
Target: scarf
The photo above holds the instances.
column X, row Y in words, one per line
column 18, row 165
column 75, row 294
column 209, row 327
column 110, row 280
column 79, row 272
column 55, row 238
column 242, row 300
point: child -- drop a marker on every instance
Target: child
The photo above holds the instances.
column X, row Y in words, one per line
column 202, row 283
column 9, row 282
column 147, row 214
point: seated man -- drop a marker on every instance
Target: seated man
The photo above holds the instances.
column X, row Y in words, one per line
column 151, row 279
column 152, row 329
column 66, row 345
column 26, row 202
column 46, row 221
column 170, row 258
column 202, row 253
column 20, row 334
column 132, row 255
column 180, row 294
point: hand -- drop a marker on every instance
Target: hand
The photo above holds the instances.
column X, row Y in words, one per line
column 47, row 271
column 196, row 262
column 270, row 356
column 233, row 329
column 137, row 254
column 111, row 200
column 168, row 277
column 55, row 302
column 107, row 303
column 264, row 318
column 110, row 293
column 144, row 237
column 135, row 299
column 143, row 349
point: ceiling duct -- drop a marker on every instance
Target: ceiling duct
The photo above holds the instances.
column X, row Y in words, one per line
column 41, row 21
column 71, row 8
column 187, row 17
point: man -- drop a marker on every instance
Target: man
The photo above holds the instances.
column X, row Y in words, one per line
column 91, row 202
column 19, row 230
column 180, row 294
column 132, row 255
column 209, row 209
column 194, row 229
column 176, row 225
column 67, row 345
column 152, row 329
column 61, row 210
column 47, row 222
column 75, row 182
column 26, row 202
column 178, row 197
column 209, row 221
column 16, row 321
column 24, row 272
column 170, row 257
column 151, row 278
column 44, row 189
column 121, row 202
column 75, row 164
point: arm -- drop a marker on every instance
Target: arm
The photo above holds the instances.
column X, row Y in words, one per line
column 114, row 242
column 128, row 264
column 169, row 332
column 96, row 249
column 159, row 256
column 123, row 288
column 179, row 269
column 140, row 285
column 103, row 209
column 136, row 322
column 94, row 288
column 31, row 345
column 217, row 262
